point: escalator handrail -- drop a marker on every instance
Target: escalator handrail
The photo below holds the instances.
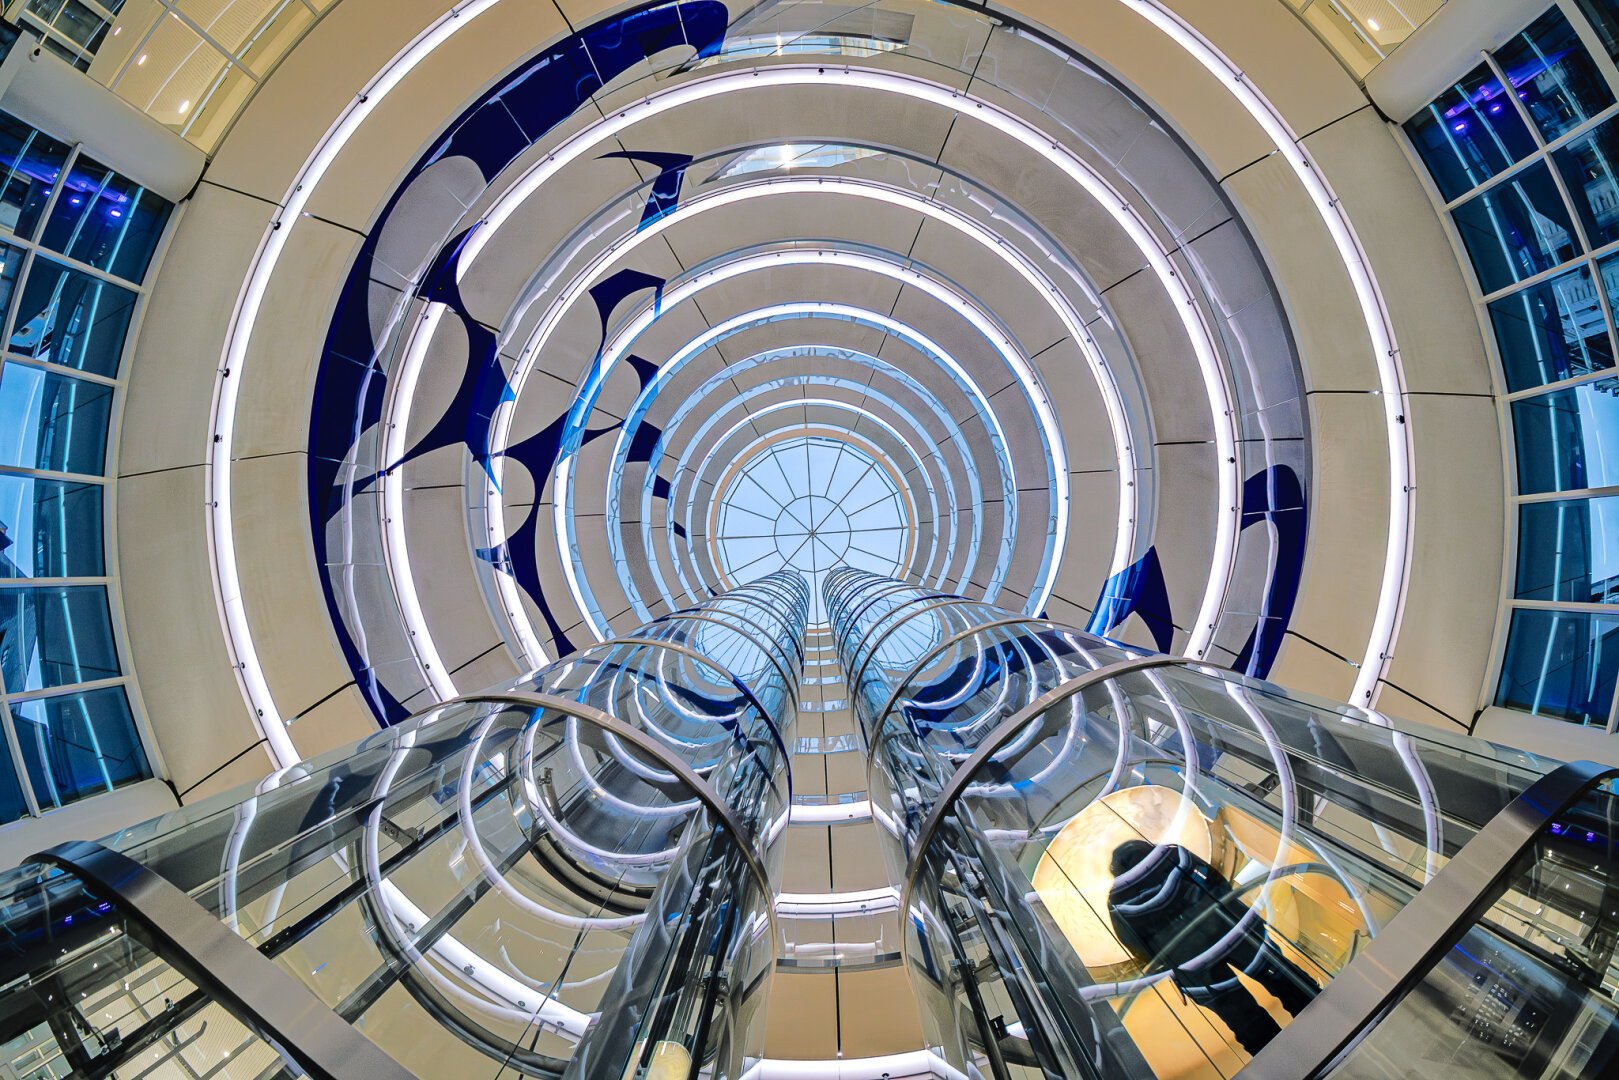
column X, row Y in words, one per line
column 1414, row 940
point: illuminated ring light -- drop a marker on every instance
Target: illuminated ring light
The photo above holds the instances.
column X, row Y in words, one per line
column 1123, row 214
column 852, row 356
column 238, row 634
column 562, row 504
column 733, row 194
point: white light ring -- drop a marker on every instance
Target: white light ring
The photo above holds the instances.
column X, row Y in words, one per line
column 244, row 318
column 395, row 540
column 1222, row 409
column 539, row 806
column 1015, row 259
column 1379, row 327
column 1011, row 355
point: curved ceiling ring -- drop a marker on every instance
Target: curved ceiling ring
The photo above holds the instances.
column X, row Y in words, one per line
column 678, row 418
column 1123, row 213
column 1011, row 355
column 238, row 635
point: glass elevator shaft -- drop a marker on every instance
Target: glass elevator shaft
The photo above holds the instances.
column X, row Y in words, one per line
column 568, row 878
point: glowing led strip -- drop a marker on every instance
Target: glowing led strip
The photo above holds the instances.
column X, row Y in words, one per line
column 1010, row 355
column 1385, row 349
column 1222, row 410
column 222, row 422
column 395, row 546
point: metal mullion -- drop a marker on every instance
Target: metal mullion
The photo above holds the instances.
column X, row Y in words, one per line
column 1561, row 384
column 51, row 582
column 65, row 691
column 69, row 261
column 212, row 42
column 52, row 474
column 1584, row 607
column 110, row 382
column 1571, row 493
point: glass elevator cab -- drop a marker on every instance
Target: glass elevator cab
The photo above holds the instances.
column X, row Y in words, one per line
column 1115, row 863
column 571, row 877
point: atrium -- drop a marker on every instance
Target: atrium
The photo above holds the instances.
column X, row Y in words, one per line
column 809, row 539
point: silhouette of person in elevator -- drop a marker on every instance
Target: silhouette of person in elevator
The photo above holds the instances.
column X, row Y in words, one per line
column 1173, row 910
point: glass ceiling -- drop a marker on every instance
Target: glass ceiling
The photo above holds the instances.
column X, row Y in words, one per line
column 811, row 503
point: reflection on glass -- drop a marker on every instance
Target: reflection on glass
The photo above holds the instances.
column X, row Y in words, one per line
column 1568, row 550
column 1587, row 168
column 72, row 318
column 1552, row 331
column 1554, row 76
column 30, row 165
column 13, row 804
column 1568, row 439
column 1604, row 16
column 1469, row 133
column 1562, row 664
column 51, row 421
column 1516, row 229
column 55, row 636
column 106, row 220
column 49, row 528
column 78, row 745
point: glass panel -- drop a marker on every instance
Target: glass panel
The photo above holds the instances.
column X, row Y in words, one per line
column 72, row 318
column 31, row 164
column 1516, row 229
column 1568, row 439
column 1470, row 133
column 1554, row 75
column 174, row 71
column 106, row 220
column 1568, row 551
column 78, row 745
column 55, row 636
column 1587, row 167
column 1604, row 16
column 1529, row 991
column 13, row 806
column 49, row 528
column 1554, row 330
column 1562, row 664
column 53, row 422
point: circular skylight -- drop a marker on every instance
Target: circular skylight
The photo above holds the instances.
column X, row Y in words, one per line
column 811, row 503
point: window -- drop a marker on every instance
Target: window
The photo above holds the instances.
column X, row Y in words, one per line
column 77, row 745
column 1562, row 664
column 1552, row 331
column 72, row 318
column 1568, row 551
column 1530, row 197
column 1568, row 439
column 76, row 240
column 1469, row 134
column 1516, row 229
column 1553, row 75
column 1587, row 167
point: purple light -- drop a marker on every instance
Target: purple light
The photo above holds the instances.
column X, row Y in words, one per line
column 1496, row 107
column 75, row 200
column 1459, row 126
column 1557, row 828
column 1590, row 837
column 115, row 213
